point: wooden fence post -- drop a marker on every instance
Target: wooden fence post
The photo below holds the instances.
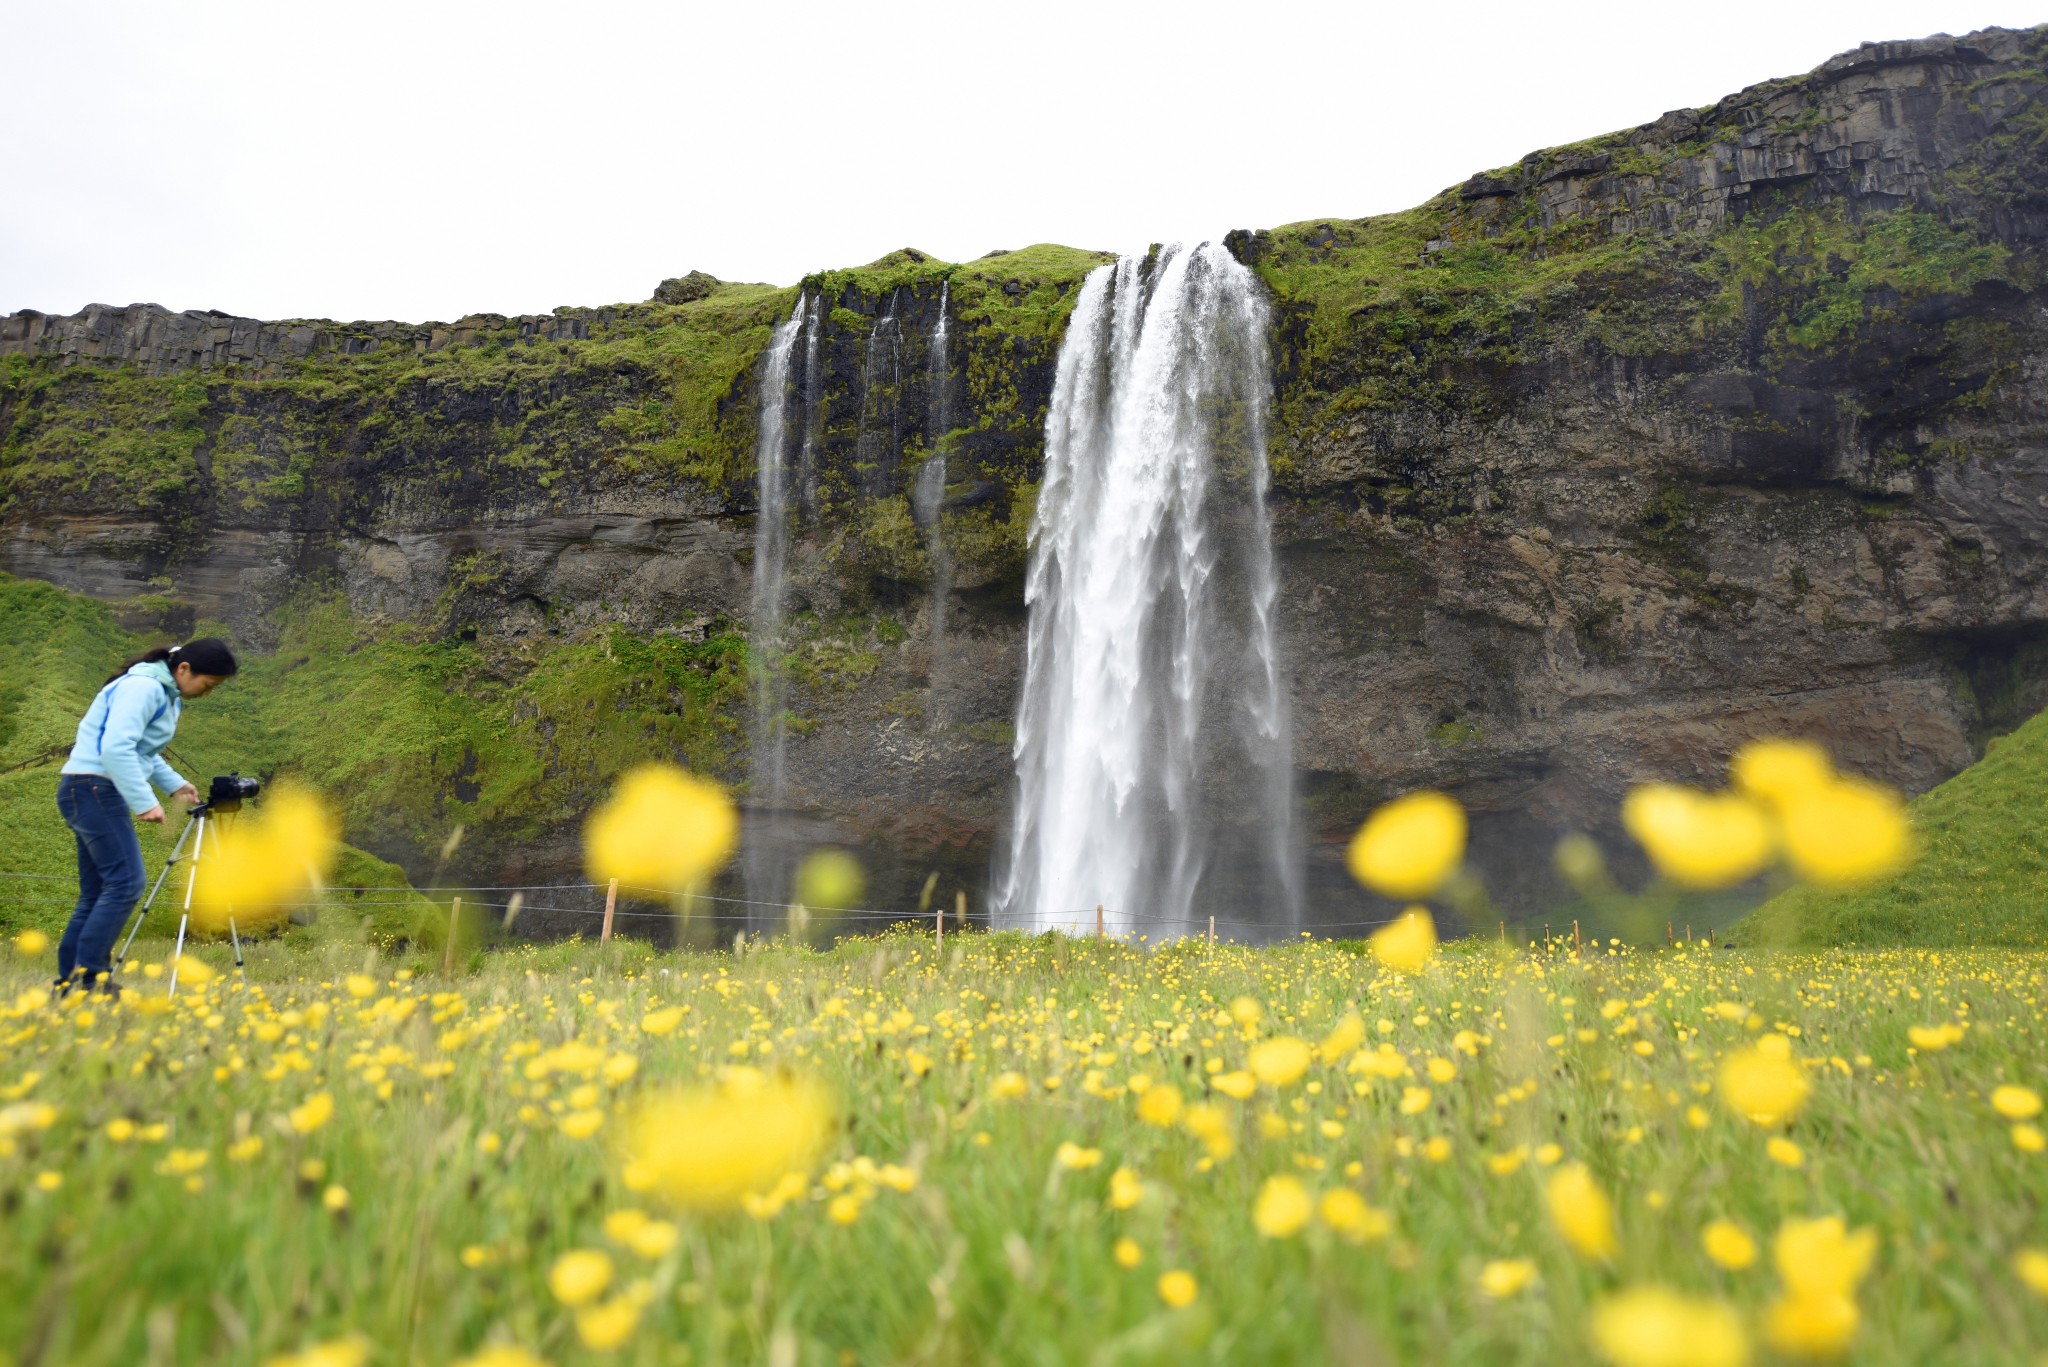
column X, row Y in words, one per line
column 1098, row 920
column 938, row 928
column 1212, row 932
column 960, row 909
column 611, row 902
column 454, row 924
column 1578, row 945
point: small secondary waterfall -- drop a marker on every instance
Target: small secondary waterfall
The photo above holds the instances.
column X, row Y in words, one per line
column 928, row 497
column 879, row 448
column 1154, row 748
column 763, row 861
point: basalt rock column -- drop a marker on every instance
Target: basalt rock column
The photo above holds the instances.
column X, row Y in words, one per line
column 1153, row 748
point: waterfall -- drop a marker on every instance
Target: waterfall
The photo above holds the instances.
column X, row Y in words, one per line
column 763, row 860
column 879, row 447
column 929, row 496
column 1153, row 748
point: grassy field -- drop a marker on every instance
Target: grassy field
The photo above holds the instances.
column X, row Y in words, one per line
column 173, row 1190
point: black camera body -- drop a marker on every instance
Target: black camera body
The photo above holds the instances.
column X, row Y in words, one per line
column 228, row 792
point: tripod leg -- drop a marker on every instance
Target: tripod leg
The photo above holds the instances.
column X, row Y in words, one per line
column 235, row 935
column 178, row 954
column 150, row 900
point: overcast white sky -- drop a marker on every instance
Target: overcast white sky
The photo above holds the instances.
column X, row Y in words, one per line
column 423, row 160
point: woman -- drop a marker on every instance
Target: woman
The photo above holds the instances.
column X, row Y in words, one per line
column 107, row 780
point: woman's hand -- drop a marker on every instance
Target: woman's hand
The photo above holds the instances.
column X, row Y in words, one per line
column 155, row 814
column 188, row 795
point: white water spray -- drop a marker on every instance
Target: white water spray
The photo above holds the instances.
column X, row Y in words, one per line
column 1153, row 744
column 928, row 496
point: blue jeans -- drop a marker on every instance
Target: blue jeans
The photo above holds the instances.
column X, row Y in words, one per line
column 109, row 872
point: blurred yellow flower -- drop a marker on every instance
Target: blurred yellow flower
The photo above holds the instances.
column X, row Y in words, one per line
column 1813, row 1326
column 1729, row 1245
column 1246, row 1010
column 195, row 972
column 1503, row 1277
column 1127, row 1253
column 607, row 1326
column 1009, row 1086
column 1846, row 833
column 1344, row 1039
column 1236, row 1084
column 1932, row 1039
column 1279, row 1061
column 2016, row 1103
column 256, row 864
column 580, row 1276
column 312, row 1113
column 1211, row 1125
column 1699, row 840
column 352, row 1351
column 2028, row 1138
column 662, row 828
column 1074, row 1158
column 1351, row 1218
column 1581, row 1211
column 1783, row 1150
column 1821, row 1257
column 2030, row 1265
column 1653, row 1326
column 1160, row 1105
column 360, row 985
column 662, row 1022
column 30, row 943
column 1282, row 1209
column 1415, row 1100
column 708, row 1148
column 830, row 880
column 1178, row 1289
column 1126, row 1189
column 1762, row 1084
column 335, row 1199
column 1778, row 771
column 1410, row 847
column 1406, row 943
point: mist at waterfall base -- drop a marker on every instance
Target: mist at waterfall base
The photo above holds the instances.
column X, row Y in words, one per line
column 1154, row 751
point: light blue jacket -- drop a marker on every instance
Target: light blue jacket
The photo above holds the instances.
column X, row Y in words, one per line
column 125, row 731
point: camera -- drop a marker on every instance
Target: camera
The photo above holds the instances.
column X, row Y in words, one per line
column 228, row 792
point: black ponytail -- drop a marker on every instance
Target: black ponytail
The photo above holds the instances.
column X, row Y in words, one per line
column 207, row 655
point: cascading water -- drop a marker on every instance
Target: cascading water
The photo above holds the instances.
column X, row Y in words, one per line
column 879, row 447
column 928, row 496
column 763, row 857
column 1153, row 750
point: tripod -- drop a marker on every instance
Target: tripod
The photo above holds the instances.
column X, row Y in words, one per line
column 195, row 825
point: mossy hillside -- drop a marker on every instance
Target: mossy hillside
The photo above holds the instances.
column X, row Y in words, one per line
column 56, row 649
column 1981, row 878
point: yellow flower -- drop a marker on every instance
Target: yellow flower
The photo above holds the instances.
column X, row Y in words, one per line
column 1653, row 1326
column 1178, row 1289
column 662, row 1022
column 1348, row 1215
column 352, row 1351
column 335, row 1199
column 194, row 972
column 502, row 1355
column 360, row 985
column 1246, row 1010
column 708, row 1148
column 2030, row 1265
column 662, row 828
column 120, row 1129
column 1779, row 771
column 1932, row 1039
column 1821, row 1257
column 1282, row 1209
column 1581, row 1211
column 1783, row 1150
column 257, row 865
column 1009, row 1086
column 830, row 880
column 1410, row 847
column 1126, row 1189
column 1700, row 840
column 30, row 943
column 843, row 1209
column 246, row 1148
column 1127, row 1253
column 1441, row 1071
column 1211, row 1125
column 1348, row 1034
column 581, row 1124
column 1407, row 943
column 1279, row 1061
column 314, row 1112
column 1762, row 1084
column 1846, row 833
column 2029, row 1139
column 2016, row 1103
column 1729, row 1245
column 580, row 1276
column 1160, row 1105
column 1074, row 1158
column 1414, row 1100
column 605, row 1327
column 1503, row 1277
column 1815, row 1326
column 1237, row 1084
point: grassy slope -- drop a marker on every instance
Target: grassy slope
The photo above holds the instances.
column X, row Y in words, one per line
column 55, row 649
column 1982, row 878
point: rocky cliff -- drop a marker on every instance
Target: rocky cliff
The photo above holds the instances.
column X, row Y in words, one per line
column 1587, row 469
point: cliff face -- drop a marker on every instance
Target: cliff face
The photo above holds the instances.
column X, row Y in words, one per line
column 1736, row 422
